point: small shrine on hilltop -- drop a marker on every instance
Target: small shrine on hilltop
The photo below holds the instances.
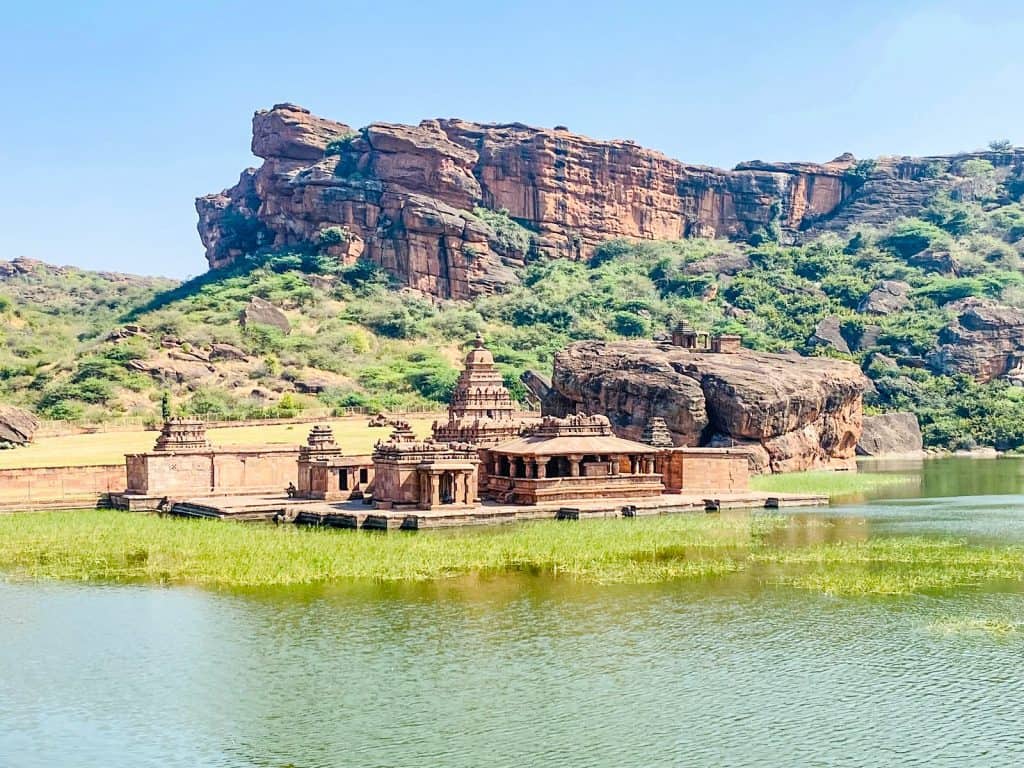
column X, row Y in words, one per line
column 326, row 473
column 424, row 475
column 178, row 434
column 687, row 337
column 481, row 410
column 578, row 457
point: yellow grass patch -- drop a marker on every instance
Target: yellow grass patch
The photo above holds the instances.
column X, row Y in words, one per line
column 110, row 447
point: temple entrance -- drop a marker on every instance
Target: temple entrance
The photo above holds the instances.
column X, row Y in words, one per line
column 343, row 480
column 446, row 488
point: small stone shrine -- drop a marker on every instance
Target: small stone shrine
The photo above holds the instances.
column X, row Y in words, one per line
column 326, row 474
column 424, row 475
column 656, row 434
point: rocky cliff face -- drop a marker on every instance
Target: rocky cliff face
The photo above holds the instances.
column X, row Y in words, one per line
column 791, row 412
column 404, row 196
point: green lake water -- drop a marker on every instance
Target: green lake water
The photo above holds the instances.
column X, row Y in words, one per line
column 536, row 671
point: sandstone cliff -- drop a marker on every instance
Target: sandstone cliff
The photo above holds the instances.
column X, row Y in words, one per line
column 791, row 412
column 404, row 196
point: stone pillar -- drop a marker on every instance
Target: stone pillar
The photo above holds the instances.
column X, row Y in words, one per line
column 574, row 465
column 614, row 462
column 531, row 467
column 632, row 465
column 497, row 466
column 542, row 468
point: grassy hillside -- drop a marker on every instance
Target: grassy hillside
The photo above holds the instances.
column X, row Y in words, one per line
column 356, row 340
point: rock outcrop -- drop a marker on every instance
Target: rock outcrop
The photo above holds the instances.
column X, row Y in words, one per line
column 828, row 333
column 17, row 427
column 791, row 412
column 890, row 434
column 404, row 196
column 886, row 297
column 261, row 312
column 985, row 341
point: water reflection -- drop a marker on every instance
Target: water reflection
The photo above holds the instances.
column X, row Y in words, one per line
column 530, row 671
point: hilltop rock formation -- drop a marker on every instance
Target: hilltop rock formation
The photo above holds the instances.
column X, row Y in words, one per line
column 791, row 412
column 985, row 341
column 17, row 427
column 404, row 196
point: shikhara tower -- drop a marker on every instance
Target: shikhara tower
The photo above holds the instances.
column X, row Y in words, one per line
column 481, row 411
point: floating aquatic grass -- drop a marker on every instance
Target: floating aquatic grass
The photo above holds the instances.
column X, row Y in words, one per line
column 116, row 546
column 832, row 484
column 952, row 625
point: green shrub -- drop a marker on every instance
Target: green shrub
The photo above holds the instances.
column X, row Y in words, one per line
column 912, row 236
column 509, row 235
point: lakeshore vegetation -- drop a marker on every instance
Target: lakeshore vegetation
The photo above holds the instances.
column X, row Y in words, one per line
column 357, row 341
column 101, row 545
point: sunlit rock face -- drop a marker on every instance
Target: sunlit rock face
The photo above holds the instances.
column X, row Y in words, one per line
column 404, row 196
column 791, row 412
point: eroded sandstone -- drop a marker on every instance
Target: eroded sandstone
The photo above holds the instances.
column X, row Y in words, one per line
column 792, row 412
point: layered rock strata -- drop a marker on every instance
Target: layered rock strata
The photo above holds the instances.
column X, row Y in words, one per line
column 404, row 196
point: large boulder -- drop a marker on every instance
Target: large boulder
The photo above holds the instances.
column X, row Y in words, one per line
column 828, row 333
column 793, row 412
column 17, row 427
column 985, row 341
column 886, row 297
column 888, row 434
column 261, row 312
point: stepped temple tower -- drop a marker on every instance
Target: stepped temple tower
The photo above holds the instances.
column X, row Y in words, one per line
column 481, row 411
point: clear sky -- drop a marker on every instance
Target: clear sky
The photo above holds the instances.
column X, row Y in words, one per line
column 114, row 116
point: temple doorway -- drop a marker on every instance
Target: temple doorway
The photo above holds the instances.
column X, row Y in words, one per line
column 446, row 488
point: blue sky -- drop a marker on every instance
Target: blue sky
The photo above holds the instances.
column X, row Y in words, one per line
column 115, row 116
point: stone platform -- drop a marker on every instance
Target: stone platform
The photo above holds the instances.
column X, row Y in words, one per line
column 356, row 514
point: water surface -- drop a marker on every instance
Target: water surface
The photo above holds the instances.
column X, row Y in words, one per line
column 534, row 671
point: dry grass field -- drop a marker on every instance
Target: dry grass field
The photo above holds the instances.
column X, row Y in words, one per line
column 110, row 447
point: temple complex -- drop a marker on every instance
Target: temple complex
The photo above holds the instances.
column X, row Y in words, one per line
column 325, row 473
column 488, row 462
column 577, row 457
